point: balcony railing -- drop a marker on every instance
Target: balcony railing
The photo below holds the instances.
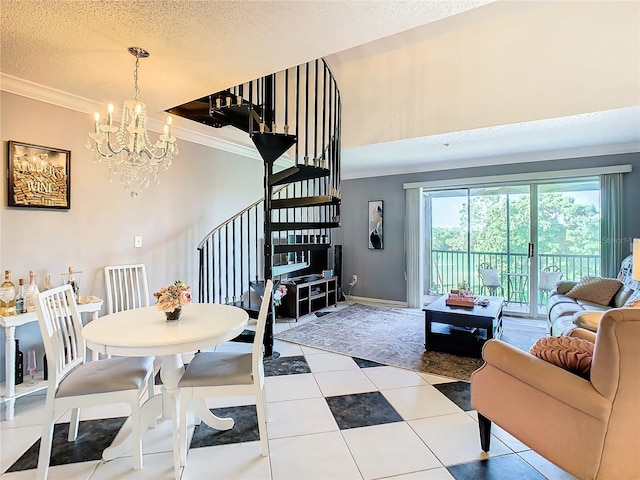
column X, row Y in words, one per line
column 449, row 268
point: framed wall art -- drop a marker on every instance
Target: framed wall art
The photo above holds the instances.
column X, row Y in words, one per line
column 376, row 240
column 39, row 177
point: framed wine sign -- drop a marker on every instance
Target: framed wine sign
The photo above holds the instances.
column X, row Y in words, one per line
column 39, row 177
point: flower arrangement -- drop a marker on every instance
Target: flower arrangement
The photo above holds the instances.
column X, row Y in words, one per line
column 172, row 297
column 280, row 292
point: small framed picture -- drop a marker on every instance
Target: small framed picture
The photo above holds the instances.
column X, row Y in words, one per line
column 39, row 177
column 376, row 240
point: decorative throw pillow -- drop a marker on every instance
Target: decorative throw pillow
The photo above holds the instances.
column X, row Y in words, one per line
column 570, row 353
column 634, row 300
column 595, row 289
column 548, row 280
column 490, row 278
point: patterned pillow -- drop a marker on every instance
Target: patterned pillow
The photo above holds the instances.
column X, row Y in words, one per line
column 634, row 300
column 595, row 289
column 570, row 353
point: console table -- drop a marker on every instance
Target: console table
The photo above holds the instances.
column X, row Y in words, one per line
column 9, row 389
column 308, row 296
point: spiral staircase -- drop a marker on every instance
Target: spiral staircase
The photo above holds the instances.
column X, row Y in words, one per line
column 293, row 118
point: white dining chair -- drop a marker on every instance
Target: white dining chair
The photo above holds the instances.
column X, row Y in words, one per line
column 74, row 384
column 127, row 287
column 225, row 374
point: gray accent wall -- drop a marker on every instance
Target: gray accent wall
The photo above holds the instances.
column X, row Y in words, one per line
column 381, row 273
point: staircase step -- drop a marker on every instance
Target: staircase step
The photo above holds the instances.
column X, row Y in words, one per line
column 319, row 200
column 235, row 115
column 271, row 146
column 282, row 226
column 297, row 173
column 300, row 247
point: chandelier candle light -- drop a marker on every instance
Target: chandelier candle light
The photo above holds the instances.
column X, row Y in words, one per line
column 127, row 148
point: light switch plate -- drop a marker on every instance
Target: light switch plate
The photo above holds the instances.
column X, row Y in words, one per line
column 137, row 241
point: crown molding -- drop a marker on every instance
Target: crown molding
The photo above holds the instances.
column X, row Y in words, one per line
column 42, row 93
column 525, row 157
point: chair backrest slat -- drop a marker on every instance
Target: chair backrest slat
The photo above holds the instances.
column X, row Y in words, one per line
column 61, row 329
column 257, row 350
column 127, row 287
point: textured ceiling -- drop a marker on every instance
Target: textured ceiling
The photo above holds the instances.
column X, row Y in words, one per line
column 198, row 47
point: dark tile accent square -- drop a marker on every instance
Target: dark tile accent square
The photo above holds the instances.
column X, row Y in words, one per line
column 245, row 428
column 286, row 366
column 458, row 392
column 362, row 410
column 362, row 363
column 505, row 467
column 93, row 437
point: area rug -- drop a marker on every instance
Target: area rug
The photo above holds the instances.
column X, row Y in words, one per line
column 394, row 336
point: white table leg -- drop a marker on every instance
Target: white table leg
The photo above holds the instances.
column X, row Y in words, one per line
column 9, row 371
column 170, row 372
column 149, row 411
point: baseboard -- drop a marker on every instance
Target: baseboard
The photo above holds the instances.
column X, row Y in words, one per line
column 375, row 301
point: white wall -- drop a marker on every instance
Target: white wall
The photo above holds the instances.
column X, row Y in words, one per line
column 503, row 63
column 202, row 188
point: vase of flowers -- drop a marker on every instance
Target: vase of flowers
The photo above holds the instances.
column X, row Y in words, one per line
column 171, row 299
column 278, row 294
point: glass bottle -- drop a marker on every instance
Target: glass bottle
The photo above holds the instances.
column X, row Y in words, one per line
column 21, row 306
column 32, row 292
column 71, row 279
column 19, row 376
column 7, row 296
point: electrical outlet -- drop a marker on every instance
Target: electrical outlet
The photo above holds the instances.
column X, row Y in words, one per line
column 137, row 241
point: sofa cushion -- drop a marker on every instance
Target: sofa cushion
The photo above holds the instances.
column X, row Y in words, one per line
column 633, row 300
column 560, row 309
column 595, row 289
column 564, row 286
column 590, row 306
column 588, row 320
column 571, row 353
column 621, row 298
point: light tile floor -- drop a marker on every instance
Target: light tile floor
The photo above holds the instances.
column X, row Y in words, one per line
column 330, row 417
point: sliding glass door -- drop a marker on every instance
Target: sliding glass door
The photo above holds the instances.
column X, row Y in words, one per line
column 485, row 238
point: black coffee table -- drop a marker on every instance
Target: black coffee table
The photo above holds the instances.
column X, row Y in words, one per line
column 462, row 330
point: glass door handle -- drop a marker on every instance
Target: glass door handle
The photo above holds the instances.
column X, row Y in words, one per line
column 530, row 250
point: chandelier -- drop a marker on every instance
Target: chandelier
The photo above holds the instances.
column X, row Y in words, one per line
column 127, row 147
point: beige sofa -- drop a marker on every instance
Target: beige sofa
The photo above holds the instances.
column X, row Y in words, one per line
column 565, row 313
column 590, row 428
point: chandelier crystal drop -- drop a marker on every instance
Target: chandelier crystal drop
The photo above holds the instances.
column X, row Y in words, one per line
column 130, row 154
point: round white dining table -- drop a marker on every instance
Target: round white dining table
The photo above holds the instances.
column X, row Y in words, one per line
column 145, row 332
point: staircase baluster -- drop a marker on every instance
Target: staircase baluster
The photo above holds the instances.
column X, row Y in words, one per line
column 233, row 256
column 297, row 111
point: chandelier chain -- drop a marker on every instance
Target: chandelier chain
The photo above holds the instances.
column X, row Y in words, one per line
column 135, row 78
